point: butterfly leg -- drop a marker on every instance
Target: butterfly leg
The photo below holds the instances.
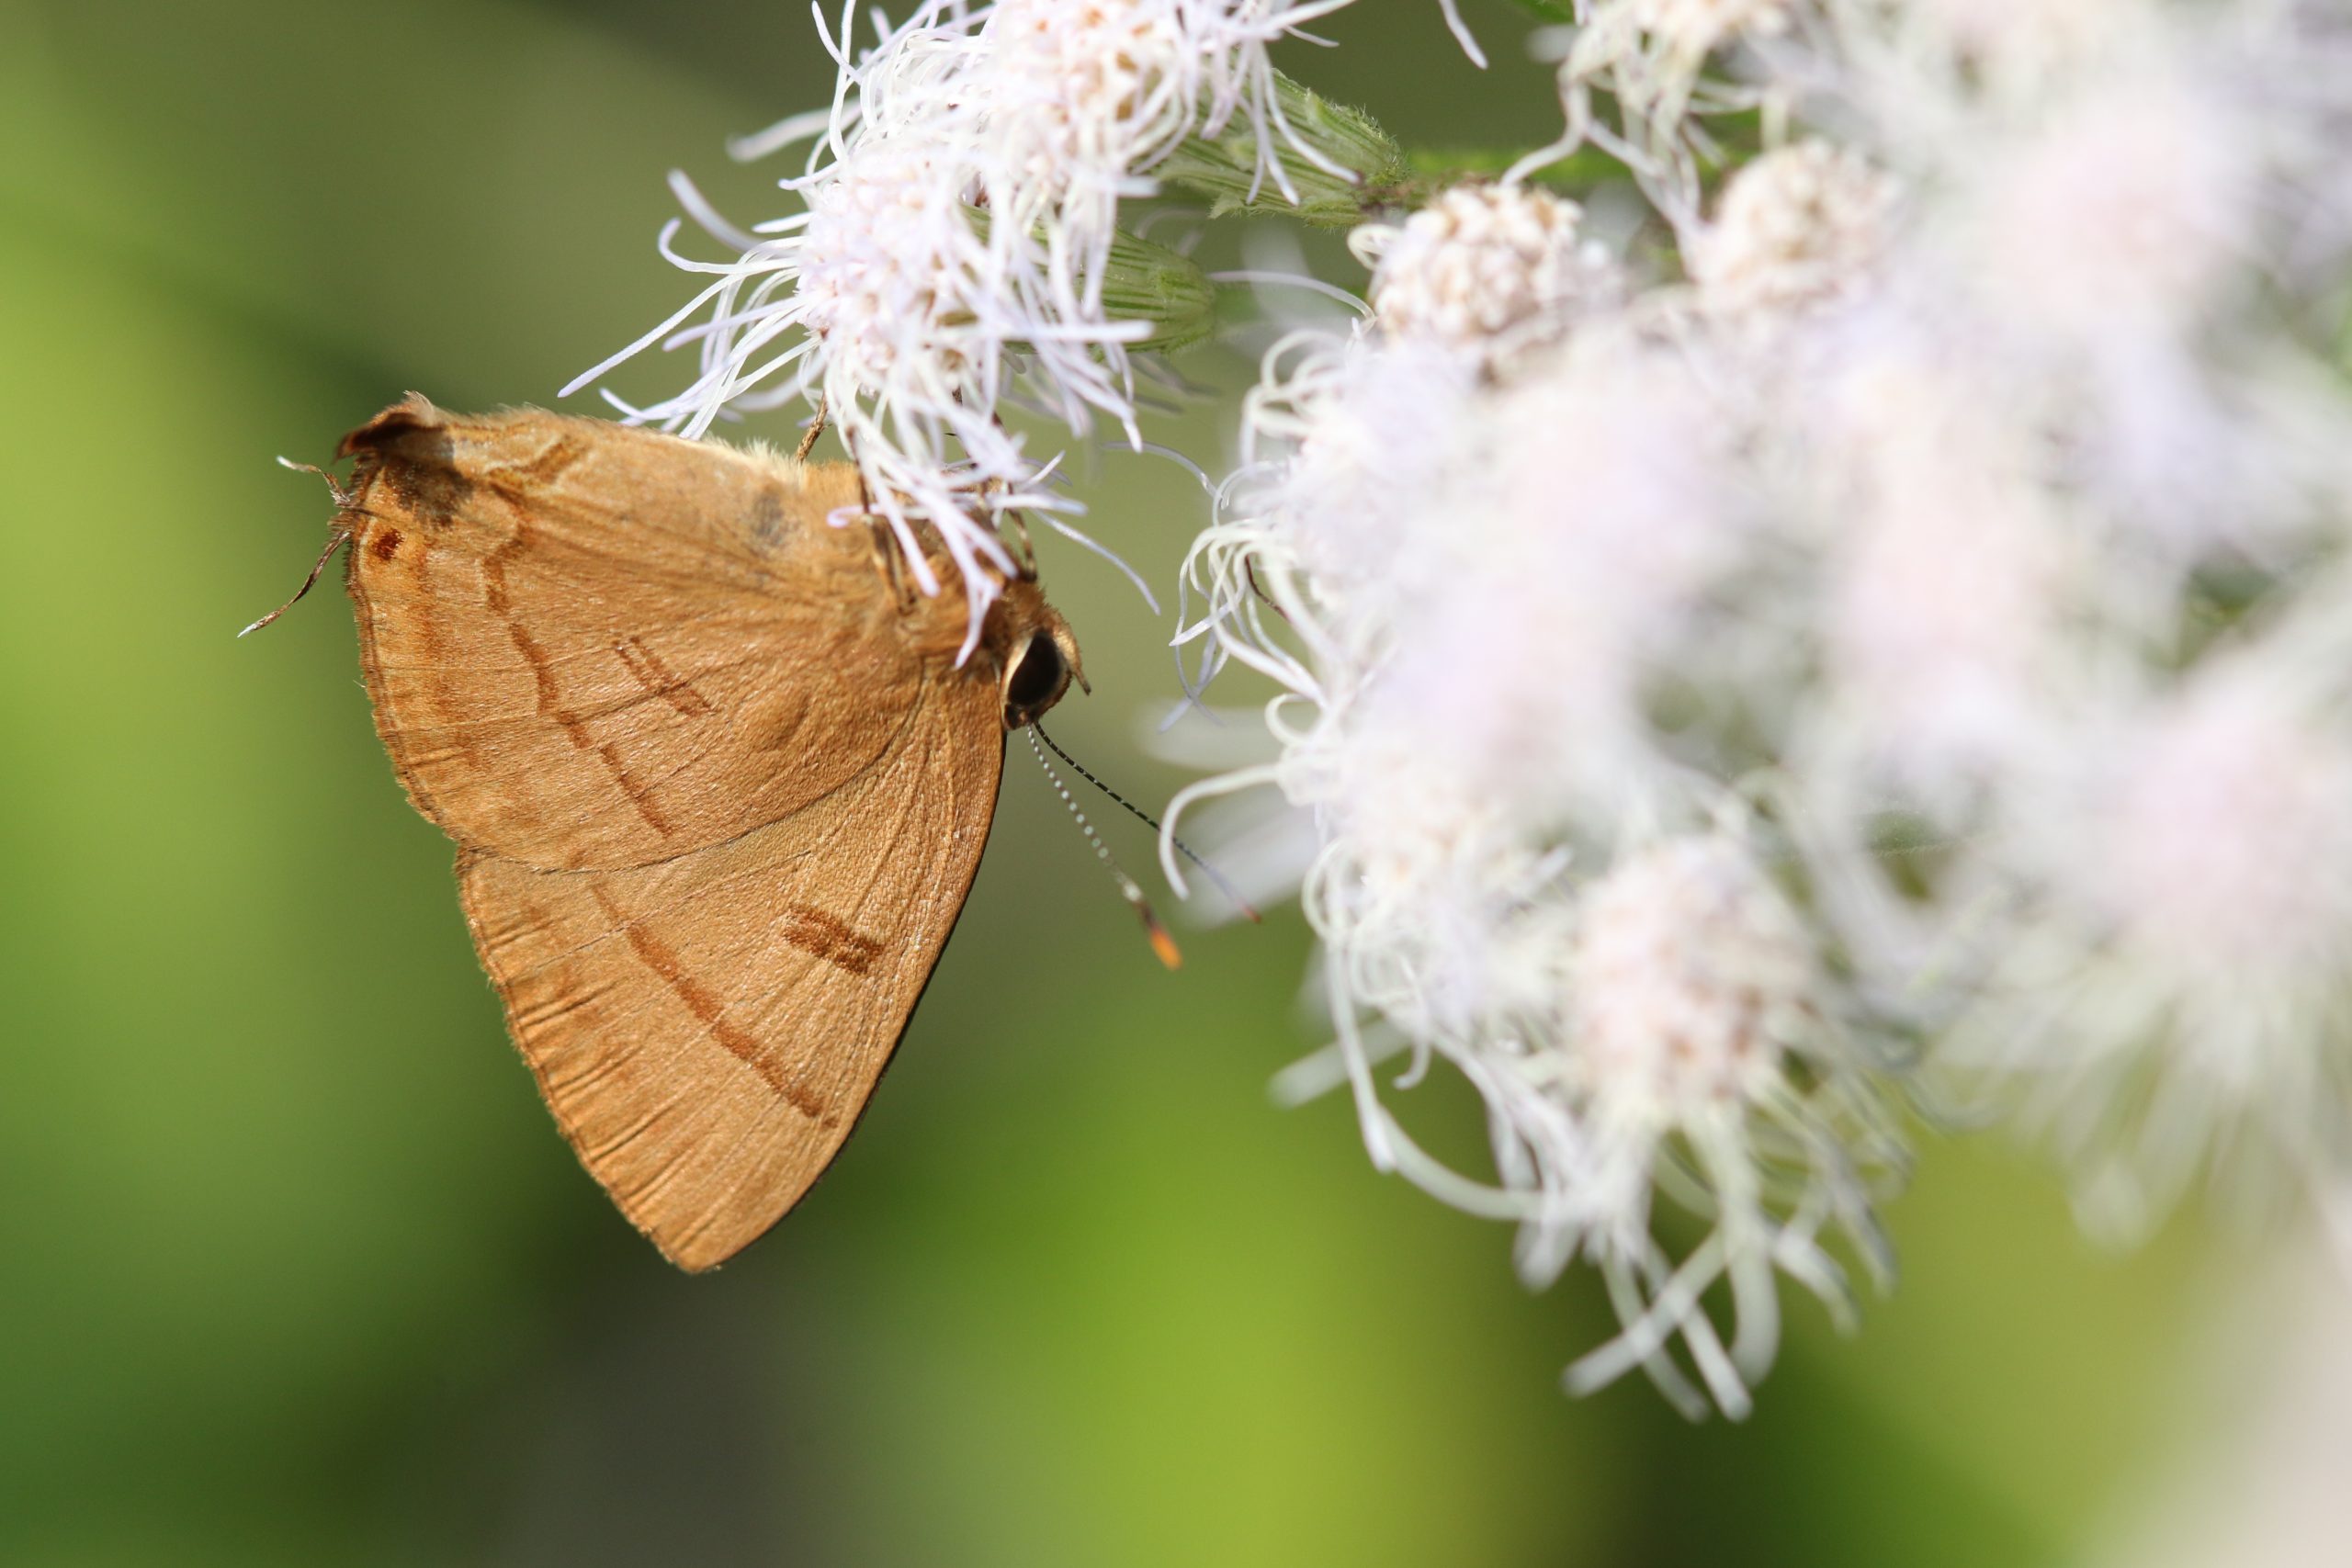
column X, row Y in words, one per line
column 1028, row 550
column 890, row 565
column 808, row 440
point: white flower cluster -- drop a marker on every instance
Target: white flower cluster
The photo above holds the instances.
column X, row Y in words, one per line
column 958, row 247
column 1923, row 624
column 1886, row 619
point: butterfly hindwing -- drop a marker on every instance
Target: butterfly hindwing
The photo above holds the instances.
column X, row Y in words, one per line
column 707, row 1029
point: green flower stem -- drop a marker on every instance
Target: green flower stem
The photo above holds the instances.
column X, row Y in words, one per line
column 1433, row 169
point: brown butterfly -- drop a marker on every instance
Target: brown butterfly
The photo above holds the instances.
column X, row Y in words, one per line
column 719, row 782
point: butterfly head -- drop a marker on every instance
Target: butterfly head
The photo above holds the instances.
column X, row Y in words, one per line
column 1036, row 657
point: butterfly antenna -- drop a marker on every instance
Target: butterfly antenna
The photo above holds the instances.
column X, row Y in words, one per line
column 334, row 542
column 1162, row 945
column 1209, row 871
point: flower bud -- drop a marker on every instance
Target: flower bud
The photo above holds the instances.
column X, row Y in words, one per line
column 1304, row 156
column 1144, row 282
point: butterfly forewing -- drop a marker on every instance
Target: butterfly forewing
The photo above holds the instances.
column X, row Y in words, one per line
column 719, row 785
column 591, row 646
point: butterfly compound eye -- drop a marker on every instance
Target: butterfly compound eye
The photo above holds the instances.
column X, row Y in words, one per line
column 1036, row 681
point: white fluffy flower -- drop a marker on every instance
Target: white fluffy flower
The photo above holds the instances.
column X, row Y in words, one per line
column 2121, row 210
column 1698, row 1055
column 1513, row 561
column 2017, row 47
column 1947, row 575
column 1647, row 60
column 1695, row 27
column 957, row 244
column 1361, row 435
column 2177, row 983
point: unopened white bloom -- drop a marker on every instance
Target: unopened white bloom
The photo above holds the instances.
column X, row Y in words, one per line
column 1799, row 225
column 1087, row 88
column 1688, row 976
column 1486, row 266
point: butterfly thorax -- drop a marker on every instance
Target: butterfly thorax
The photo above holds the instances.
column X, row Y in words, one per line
column 1025, row 650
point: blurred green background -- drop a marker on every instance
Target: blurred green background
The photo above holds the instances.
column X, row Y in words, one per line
column 297, row 1269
